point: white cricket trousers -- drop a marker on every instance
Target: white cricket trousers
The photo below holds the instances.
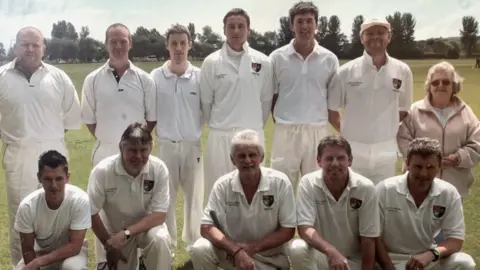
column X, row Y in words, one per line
column 207, row 257
column 156, row 252
column 100, row 151
column 376, row 161
column 294, row 149
column 456, row 261
column 217, row 157
column 305, row 257
column 77, row 262
column 185, row 166
column 20, row 165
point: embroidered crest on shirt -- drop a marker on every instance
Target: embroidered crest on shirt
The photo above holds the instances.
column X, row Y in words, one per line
column 355, row 203
column 148, row 185
column 268, row 200
column 438, row 211
column 397, row 83
column 256, row 67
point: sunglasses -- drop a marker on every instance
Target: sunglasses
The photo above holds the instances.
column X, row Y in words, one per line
column 442, row 82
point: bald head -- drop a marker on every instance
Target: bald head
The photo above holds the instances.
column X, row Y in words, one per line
column 30, row 47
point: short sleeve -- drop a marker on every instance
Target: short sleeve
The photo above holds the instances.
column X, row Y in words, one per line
column 267, row 89
column 206, row 81
column 287, row 214
column 336, row 91
column 215, row 203
column 380, row 192
column 88, row 101
column 406, row 96
column 276, row 83
column 81, row 213
column 23, row 219
column 369, row 216
column 453, row 225
column 96, row 190
column 306, row 208
column 72, row 113
column 161, row 196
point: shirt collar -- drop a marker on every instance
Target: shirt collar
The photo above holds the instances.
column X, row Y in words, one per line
column 368, row 60
column 168, row 74
column 107, row 66
column 13, row 64
column 402, row 186
column 120, row 170
column 245, row 47
column 291, row 49
column 264, row 184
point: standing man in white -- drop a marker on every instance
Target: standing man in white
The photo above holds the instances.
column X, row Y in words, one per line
column 179, row 128
column 38, row 104
column 53, row 221
column 132, row 189
column 375, row 92
column 236, row 91
column 114, row 96
column 303, row 71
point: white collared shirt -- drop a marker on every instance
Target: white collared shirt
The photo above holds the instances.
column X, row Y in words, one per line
column 236, row 94
column 302, row 85
column 371, row 99
column 341, row 223
column 125, row 199
column 38, row 109
column 179, row 116
column 273, row 205
column 113, row 105
column 408, row 229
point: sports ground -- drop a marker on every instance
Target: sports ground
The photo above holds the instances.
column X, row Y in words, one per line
column 80, row 144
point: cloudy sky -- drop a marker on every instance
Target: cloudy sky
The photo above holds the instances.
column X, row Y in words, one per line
column 434, row 17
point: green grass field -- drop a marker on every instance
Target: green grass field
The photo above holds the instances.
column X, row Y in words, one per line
column 80, row 144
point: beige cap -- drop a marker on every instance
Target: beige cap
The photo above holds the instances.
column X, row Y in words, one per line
column 374, row 22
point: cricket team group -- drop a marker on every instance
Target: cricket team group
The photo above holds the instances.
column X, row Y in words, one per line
column 340, row 193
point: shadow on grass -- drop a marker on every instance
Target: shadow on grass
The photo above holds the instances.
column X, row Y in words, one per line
column 187, row 266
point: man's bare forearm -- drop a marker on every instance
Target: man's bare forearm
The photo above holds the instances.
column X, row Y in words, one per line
column 91, row 128
column 449, row 246
column 273, row 240
column 274, row 101
column 381, row 255
column 314, row 239
column 65, row 252
column 335, row 119
column 99, row 229
column 367, row 248
column 146, row 223
column 29, row 256
column 218, row 239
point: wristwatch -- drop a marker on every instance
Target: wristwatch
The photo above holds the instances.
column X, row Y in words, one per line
column 436, row 254
column 127, row 234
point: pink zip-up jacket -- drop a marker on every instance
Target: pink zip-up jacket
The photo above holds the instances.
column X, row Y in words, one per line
column 461, row 135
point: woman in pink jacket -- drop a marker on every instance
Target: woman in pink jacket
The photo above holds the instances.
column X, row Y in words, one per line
column 442, row 115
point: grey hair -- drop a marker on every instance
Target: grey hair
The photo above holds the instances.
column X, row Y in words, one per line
column 450, row 70
column 246, row 137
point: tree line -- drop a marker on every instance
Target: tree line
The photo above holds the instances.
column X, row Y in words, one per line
column 65, row 43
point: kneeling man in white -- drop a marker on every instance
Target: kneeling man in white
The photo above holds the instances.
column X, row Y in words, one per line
column 337, row 214
column 132, row 190
column 52, row 221
column 256, row 214
column 414, row 208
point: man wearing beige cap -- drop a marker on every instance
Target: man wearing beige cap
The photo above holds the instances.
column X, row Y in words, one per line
column 375, row 91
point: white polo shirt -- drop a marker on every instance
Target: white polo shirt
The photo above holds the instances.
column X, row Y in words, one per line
column 236, row 94
column 302, row 85
column 408, row 229
column 40, row 109
column 52, row 227
column 341, row 223
column 179, row 116
column 113, row 105
column 371, row 99
column 272, row 206
column 125, row 199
